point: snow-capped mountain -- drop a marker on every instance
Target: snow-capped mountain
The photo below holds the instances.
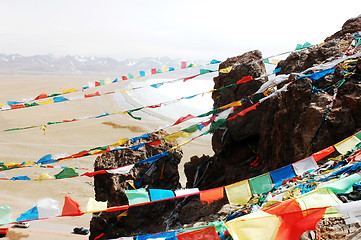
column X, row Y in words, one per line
column 15, row 63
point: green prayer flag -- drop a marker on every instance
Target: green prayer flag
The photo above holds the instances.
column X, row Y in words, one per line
column 191, row 129
column 54, row 94
column 358, row 135
column 204, row 71
column 159, row 71
column 344, row 185
column 230, row 85
column 130, row 112
column 266, row 60
column 137, row 196
column 31, row 105
column 261, row 184
column 208, row 113
column 102, row 82
column 5, row 215
column 306, row 45
column 65, row 173
column 130, row 76
column 50, row 123
column 11, row 129
column 217, row 124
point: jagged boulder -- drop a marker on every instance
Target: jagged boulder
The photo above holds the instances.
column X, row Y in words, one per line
column 162, row 174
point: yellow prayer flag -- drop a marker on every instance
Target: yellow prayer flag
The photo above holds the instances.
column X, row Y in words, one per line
column 233, row 104
column 262, row 228
column 225, row 70
column 108, row 81
column 346, row 145
column 94, row 206
column 165, row 68
column 274, row 61
column 176, row 135
column 2, row 105
column 238, row 193
column 121, row 142
column 124, row 90
column 181, row 144
column 44, row 176
column 46, row 102
column 68, row 90
column 123, row 214
column 28, row 163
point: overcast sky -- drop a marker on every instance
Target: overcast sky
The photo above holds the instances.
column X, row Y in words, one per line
column 188, row 29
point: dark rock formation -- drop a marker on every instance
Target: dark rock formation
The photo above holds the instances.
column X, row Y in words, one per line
column 162, row 174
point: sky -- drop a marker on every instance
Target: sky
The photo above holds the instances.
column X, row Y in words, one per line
column 186, row 29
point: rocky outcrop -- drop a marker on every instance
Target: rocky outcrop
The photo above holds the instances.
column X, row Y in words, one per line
column 162, row 174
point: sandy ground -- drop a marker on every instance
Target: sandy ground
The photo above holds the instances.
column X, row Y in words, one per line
column 32, row 144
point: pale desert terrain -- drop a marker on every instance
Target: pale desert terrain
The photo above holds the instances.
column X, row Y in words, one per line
column 32, row 144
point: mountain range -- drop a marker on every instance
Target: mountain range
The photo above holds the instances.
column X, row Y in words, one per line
column 50, row 64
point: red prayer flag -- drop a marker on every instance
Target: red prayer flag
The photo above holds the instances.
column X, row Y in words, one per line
column 71, row 208
column 183, row 119
column 187, row 78
column 208, row 233
column 154, row 143
column 183, row 65
column 41, row 96
column 154, row 71
column 97, row 84
column 243, row 112
column 124, row 78
column 154, row 106
column 245, row 79
column 212, row 195
column 323, row 153
column 92, row 95
column 15, row 106
column 92, row 174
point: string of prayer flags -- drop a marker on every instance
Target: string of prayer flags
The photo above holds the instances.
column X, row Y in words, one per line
column 281, row 174
column 260, row 228
column 71, row 208
column 261, row 184
column 159, row 194
column 137, row 196
column 95, row 206
column 5, row 215
column 238, row 193
column 208, row 233
column 212, row 195
column 351, row 211
column 304, row 165
column 347, row 144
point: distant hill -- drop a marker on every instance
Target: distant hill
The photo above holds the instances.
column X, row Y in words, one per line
column 50, row 64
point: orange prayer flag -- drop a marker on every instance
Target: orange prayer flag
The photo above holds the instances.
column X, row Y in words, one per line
column 71, row 208
column 323, row 153
column 212, row 195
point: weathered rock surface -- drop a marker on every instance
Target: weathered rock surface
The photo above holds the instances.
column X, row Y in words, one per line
column 162, row 174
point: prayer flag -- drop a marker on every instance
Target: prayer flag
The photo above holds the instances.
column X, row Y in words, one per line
column 158, row 236
column 121, row 170
column 41, row 96
column 71, row 208
column 20, row 178
column 48, row 208
column 68, row 90
column 344, row 185
column 187, row 78
column 165, row 68
column 44, row 176
column 130, row 76
column 183, row 119
column 46, row 102
column 183, row 65
column 238, row 193
column 304, row 165
column 95, row 206
column 245, row 79
column 225, row 70
column 261, row 184
column 281, row 174
column 13, row 102
column 159, row 194
column 244, row 111
column 124, row 78
column 31, row 214
column 16, row 106
column 59, row 99
column 153, row 71
column 323, row 153
column 137, row 196
column 208, row 233
column 351, row 211
column 204, row 71
column 186, row 192
column 91, row 95
column 171, row 69
column 260, row 228
column 66, row 173
column 142, row 73
column 347, row 144
column 212, row 195
column 5, row 215
column 176, row 135
column 358, row 134
column 154, row 158
column 233, row 104
column 102, row 82
column 214, row 61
